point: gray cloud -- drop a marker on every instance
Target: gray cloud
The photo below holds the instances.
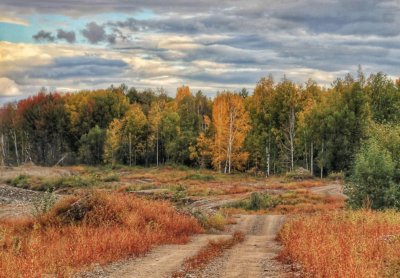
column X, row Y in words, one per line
column 96, row 33
column 69, row 36
column 78, row 68
column 43, row 36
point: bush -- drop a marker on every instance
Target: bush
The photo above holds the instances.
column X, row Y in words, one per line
column 256, row 201
column 20, row 181
column 372, row 180
column 336, row 176
column 215, row 221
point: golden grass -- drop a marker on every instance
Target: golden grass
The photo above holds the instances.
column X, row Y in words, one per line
column 304, row 201
column 344, row 244
column 212, row 250
column 114, row 226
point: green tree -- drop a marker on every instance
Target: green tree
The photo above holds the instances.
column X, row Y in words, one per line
column 92, row 146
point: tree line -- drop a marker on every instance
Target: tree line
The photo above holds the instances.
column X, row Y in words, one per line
column 278, row 127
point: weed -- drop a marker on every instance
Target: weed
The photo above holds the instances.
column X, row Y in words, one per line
column 44, row 203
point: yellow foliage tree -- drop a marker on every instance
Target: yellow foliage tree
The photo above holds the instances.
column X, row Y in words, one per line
column 231, row 122
column 112, row 142
column 181, row 93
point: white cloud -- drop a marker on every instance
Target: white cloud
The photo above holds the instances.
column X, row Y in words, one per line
column 13, row 20
column 8, row 87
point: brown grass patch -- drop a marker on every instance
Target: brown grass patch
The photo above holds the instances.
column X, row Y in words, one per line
column 95, row 228
column 344, row 244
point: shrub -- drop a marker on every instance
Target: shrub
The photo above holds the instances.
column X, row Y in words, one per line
column 20, row 181
column 372, row 180
column 256, row 201
column 336, row 176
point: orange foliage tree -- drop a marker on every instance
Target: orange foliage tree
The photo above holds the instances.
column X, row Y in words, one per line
column 231, row 122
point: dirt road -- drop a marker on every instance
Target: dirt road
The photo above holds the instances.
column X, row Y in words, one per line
column 252, row 258
column 255, row 257
column 163, row 260
column 334, row 189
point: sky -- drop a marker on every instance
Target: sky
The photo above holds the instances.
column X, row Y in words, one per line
column 207, row 45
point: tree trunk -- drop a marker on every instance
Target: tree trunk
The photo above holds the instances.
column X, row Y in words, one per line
column 157, row 146
column 231, row 118
column 291, row 136
column 312, row 158
column 130, row 149
column 267, row 152
column 3, row 153
column 16, row 147
column 322, row 162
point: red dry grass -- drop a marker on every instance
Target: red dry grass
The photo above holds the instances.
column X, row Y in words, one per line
column 297, row 184
column 304, row 201
column 212, row 250
column 115, row 226
column 237, row 189
column 344, row 244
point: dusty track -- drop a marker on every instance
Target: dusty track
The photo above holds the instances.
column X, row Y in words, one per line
column 163, row 260
column 255, row 257
column 334, row 189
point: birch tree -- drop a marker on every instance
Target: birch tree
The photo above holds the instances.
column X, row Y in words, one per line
column 232, row 124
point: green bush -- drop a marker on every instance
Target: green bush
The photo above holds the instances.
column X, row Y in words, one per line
column 256, row 201
column 20, row 181
column 336, row 176
column 372, row 181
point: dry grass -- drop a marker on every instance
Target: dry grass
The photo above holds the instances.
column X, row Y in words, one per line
column 344, row 244
column 212, row 250
column 303, row 201
column 95, row 228
column 297, row 184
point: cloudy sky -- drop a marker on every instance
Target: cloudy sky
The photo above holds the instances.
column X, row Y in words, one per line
column 208, row 45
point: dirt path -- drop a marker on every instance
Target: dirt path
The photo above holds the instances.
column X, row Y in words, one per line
column 334, row 189
column 163, row 260
column 255, row 257
column 252, row 258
